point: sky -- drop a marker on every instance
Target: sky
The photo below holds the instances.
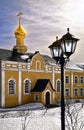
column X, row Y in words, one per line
column 42, row 20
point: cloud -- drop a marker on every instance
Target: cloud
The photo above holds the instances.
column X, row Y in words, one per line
column 43, row 20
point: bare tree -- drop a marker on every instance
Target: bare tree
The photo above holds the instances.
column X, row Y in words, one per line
column 25, row 118
column 74, row 118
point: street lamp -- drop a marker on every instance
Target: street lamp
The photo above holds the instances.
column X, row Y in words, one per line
column 61, row 50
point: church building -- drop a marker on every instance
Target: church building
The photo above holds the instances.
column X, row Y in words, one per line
column 33, row 77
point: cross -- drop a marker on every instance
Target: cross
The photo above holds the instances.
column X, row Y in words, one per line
column 19, row 17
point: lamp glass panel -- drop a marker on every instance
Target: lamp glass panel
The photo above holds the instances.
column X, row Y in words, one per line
column 56, row 52
column 68, row 45
column 74, row 46
column 60, row 52
column 63, row 47
column 51, row 50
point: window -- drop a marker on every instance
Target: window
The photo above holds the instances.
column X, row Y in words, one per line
column 58, row 85
column 27, row 85
column 81, row 80
column 75, row 79
column 81, row 92
column 75, row 92
column 67, row 79
column 67, row 92
column 38, row 65
column 35, row 97
column 11, row 87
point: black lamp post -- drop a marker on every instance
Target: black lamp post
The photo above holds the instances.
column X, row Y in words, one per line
column 61, row 50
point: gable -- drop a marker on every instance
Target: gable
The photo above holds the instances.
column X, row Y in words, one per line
column 38, row 62
column 41, row 85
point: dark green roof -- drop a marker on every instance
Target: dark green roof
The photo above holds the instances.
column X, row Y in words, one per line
column 13, row 55
column 41, row 85
column 4, row 54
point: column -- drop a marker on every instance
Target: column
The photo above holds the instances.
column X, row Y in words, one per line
column 2, row 87
column 72, row 91
column 19, row 85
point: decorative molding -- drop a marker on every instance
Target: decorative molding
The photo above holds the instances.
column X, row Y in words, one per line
column 36, row 65
column 29, row 85
column 14, row 86
column 56, row 85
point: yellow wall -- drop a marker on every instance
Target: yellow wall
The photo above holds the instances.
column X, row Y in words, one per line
column 57, row 94
column 36, row 59
column 33, row 74
column 11, row 100
column 78, row 85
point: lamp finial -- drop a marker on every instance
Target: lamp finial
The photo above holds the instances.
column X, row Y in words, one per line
column 68, row 30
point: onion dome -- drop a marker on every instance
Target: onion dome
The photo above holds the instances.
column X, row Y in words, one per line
column 19, row 31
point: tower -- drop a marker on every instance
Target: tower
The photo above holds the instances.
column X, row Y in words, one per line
column 20, row 35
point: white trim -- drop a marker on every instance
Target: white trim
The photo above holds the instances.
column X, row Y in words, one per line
column 36, row 67
column 42, row 71
column 68, row 93
column 80, row 79
column 56, row 85
column 11, row 69
column 12, row 79
column 53, row 76
column 2, row 88
column 10, row 62
column 69, row 79
column 29, row 85
column 19, row 87
column 38, row 54
column 82, row 92
column 72, row 91
column 27, row 70
column 14, row 86
column 27, row 79
column 77, row 79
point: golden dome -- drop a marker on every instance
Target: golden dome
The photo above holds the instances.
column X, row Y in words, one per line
column 20, row 31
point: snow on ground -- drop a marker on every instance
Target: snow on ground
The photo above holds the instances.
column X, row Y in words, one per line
column 32, row 117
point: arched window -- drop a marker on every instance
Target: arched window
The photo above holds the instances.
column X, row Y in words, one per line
column 67, row 92
column 75, row 92
column 27, row 85
column 38, row 65
column 75, row 79
column 58, row 86
column 81, row 91
column 67, row 79
column 81, row 79
column 11, row 86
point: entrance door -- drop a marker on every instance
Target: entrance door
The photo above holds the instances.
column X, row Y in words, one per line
column 47, row 98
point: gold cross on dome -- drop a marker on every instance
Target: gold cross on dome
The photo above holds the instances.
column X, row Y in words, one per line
column 19, row 17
